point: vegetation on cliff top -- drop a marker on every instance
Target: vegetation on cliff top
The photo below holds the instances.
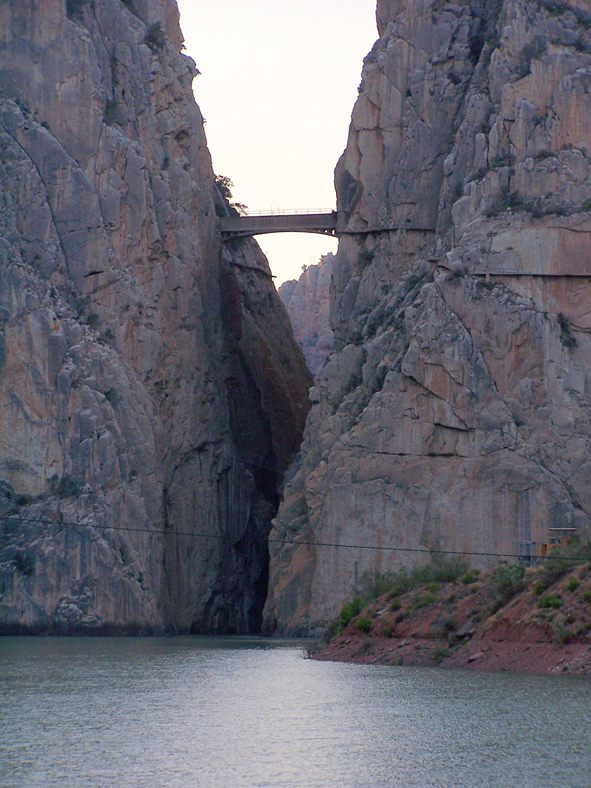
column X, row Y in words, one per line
column 225, row 186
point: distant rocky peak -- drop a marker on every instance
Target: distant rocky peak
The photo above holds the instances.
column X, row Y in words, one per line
column 308, row 304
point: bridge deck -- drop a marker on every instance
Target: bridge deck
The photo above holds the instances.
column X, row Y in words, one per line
column 240, row 226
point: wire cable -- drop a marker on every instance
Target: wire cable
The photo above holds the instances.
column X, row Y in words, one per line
column 294, row 542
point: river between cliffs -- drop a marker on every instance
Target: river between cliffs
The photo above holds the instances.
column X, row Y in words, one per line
column 244, row 713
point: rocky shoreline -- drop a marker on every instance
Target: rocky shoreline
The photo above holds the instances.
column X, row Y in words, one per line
column 536, row 626
column 482, row 654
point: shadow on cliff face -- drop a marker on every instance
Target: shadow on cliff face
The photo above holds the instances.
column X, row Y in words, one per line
column 266, row 382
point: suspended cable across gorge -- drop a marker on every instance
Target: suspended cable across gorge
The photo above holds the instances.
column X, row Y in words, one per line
column 271, row 540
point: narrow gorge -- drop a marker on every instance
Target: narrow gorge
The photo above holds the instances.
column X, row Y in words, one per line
column 168, row 463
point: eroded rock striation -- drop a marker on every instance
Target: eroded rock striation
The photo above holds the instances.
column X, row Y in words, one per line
column 454, row 414
column 307, row 301
column 145, row 417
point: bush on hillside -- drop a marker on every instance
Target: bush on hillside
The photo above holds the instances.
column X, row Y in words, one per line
column 349, row 611
column 507, row 581
column 562, row 558
column 550, row 601
column 363, row 624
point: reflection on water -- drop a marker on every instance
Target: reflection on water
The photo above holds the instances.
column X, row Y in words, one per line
column 246, row 713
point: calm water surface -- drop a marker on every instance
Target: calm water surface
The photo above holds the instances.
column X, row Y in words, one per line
column 244, row 713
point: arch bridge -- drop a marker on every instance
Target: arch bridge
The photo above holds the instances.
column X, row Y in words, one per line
column 323, row 223
column 527, row 263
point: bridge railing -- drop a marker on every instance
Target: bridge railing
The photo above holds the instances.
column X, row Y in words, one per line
column 287, row 211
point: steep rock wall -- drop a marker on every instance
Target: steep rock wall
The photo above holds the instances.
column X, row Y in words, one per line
column 308, row 305
column 455, row 413
column 130, row 343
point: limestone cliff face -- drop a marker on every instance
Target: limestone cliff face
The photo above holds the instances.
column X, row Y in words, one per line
column 308, row 305
column 144, row 424
column 455, row 414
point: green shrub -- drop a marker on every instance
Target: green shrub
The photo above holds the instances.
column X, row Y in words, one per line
column 440, row 570
column 426, row 600
column 470, row 577
column 587, row 595
column 440, row 653
column 562, row 633
column 372, row 586
column 225, row 186
column 394, row 584
column 447, row 570
column 540, row 587
column 330, row 630
column 566, row 337
column 561, row 559
column 532, row 51
column 365, row 648
column 448, row 624
column 67, row 488
column 349, row 611
column 573, row 583
column 556, row 565
column 550, row 601
column 64, row 487
column 310, row 651
column 507, row 581
column 155, row 37
column 386, row 632
column 363, row 624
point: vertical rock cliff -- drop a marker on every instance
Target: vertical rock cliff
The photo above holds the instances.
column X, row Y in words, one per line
column 308, row 305
column 455, row 413
column 145, row 418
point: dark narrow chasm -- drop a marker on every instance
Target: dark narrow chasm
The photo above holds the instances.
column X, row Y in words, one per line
column 251, row 430
column 267, row 383
column 268, row 481
column 260, row 591
column 245, row 577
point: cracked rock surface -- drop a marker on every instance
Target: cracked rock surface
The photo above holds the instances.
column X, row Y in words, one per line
column 454, row 413
column 145, row 419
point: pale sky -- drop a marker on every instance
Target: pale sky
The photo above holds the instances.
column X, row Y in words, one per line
column 278, row 84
